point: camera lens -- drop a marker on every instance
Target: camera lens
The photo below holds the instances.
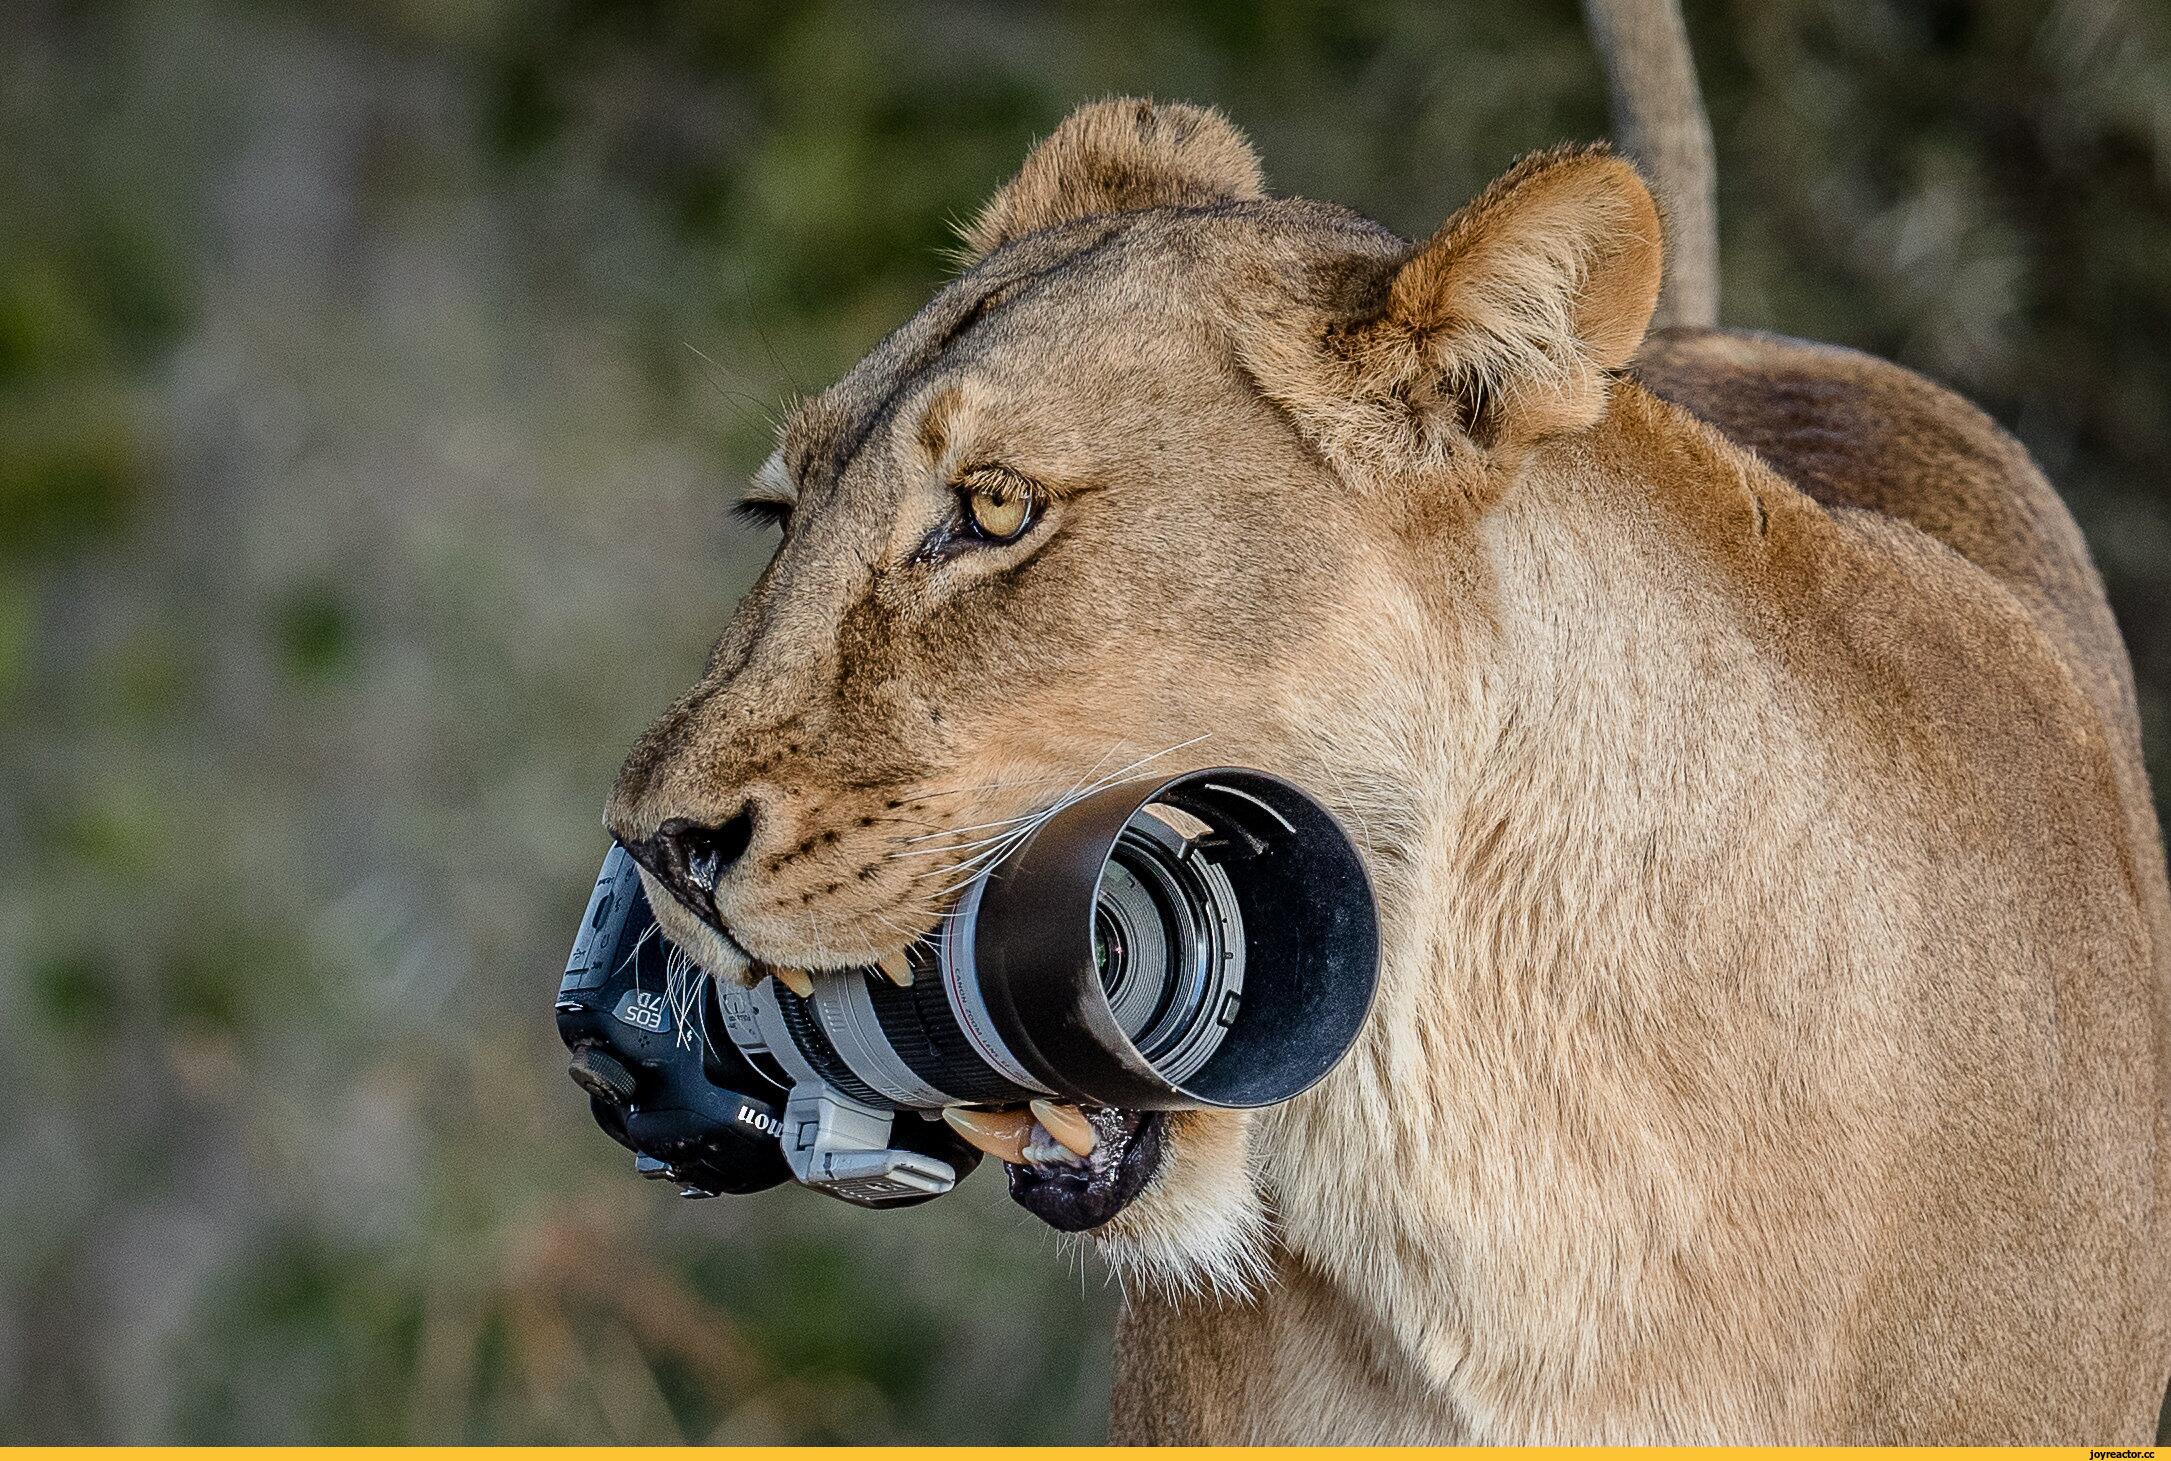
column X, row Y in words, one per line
column 1206, row 940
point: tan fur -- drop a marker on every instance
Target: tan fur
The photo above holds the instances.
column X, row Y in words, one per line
column 1119, row 156
column 1771, row 1043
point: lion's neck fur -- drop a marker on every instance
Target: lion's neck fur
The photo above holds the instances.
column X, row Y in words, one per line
column 1592, row 825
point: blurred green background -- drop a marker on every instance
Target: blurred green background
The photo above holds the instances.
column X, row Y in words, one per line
column 374, row 380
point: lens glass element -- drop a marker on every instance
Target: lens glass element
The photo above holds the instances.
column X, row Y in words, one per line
column 1109, row 950
column 1167, row 945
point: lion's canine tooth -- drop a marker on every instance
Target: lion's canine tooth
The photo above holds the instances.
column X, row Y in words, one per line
column 1067, row 1124
column 998, row 1133
column 798, row 981
column 897, row 967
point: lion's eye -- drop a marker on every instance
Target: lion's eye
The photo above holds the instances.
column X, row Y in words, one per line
column 999, row 515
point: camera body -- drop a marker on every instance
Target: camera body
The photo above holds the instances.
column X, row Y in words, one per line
column 679, row 1068
column 1204, row 940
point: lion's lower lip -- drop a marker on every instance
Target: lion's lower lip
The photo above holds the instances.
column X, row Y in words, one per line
column 1077, row 1196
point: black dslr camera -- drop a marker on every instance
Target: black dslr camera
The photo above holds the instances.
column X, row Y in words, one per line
column 1206, row 940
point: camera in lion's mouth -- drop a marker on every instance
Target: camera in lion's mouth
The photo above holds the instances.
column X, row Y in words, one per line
column 1207, row 940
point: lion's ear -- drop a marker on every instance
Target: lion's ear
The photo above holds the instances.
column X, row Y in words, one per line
column 1112, row 156
column 1502, row 327
column 1560, row 257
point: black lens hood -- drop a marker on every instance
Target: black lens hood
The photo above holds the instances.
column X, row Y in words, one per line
column 1310, row 927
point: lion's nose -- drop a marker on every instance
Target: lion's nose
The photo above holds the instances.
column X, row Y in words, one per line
column 691, row 858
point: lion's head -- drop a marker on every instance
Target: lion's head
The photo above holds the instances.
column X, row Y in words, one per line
column 1173, row 474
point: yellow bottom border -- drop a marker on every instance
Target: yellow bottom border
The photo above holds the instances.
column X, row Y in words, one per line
column 1062, row 1453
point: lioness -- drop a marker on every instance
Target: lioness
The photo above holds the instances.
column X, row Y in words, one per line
column 1771, row 1038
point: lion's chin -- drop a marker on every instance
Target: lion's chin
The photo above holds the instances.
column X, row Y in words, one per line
column 1084, row 1193
column 1197, row 1226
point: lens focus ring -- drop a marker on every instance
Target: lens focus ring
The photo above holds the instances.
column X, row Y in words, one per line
column 921, row 1028
column 807, row 1034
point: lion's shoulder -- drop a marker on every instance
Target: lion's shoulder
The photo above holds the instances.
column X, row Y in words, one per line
column 1856, row 432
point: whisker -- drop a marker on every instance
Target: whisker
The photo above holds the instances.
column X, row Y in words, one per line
column 983, row 786
column 969, row 827
column 1033, row 821
column 992, row 855
column 965, row 862
column 633, row 955
column 960, row 847
column 683, row 984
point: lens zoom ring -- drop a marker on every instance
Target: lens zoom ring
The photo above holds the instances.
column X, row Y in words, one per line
column 813, row 1043
column 922, row 1028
